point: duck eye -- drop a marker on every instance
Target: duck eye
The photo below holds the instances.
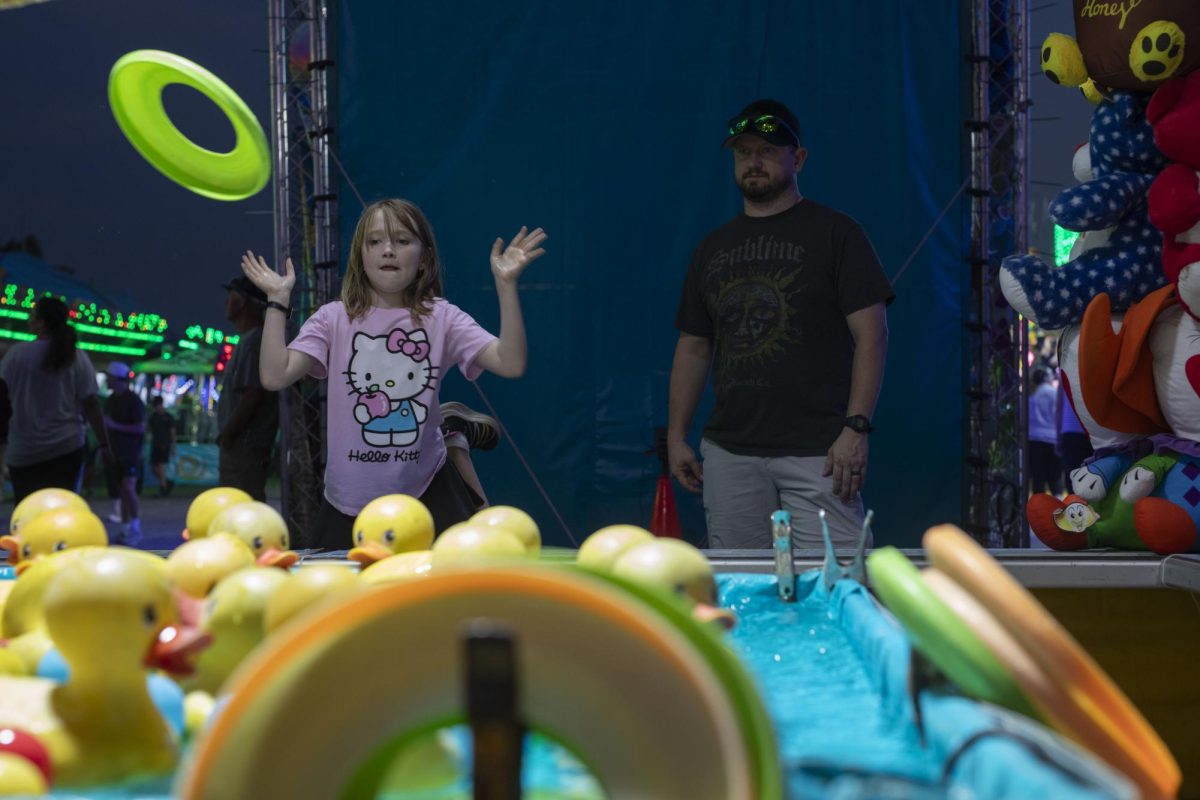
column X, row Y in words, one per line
column 27, row 551
column 149, row 615
column 389, row 536
column 60, row 546
column 681, row 588
column 283, row 542
column 257, row 543
column 360, row 537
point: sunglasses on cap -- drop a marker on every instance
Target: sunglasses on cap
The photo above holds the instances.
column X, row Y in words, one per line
column 764, row 123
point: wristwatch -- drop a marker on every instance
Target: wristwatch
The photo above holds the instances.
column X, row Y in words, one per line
column 858, row 423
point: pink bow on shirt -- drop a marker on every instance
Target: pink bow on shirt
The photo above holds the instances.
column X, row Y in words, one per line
column 398, row 342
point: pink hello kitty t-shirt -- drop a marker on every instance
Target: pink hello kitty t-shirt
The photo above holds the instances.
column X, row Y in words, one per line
column 385, row 371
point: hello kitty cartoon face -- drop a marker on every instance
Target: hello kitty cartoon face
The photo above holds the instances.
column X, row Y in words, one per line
column 397, row 364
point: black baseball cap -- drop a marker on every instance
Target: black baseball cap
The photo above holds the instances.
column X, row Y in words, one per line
column 245, row 287
column 782, row 128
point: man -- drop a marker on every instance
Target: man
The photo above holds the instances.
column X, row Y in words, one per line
column 125, row 419
column 247, row 414
column 786, row 302
column 162, row 444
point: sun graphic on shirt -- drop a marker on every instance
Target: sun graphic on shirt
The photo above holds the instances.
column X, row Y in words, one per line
column 755, row 316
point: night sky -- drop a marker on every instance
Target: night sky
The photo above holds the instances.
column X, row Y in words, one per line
column 71, row 179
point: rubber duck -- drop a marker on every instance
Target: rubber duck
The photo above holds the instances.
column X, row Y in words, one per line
column 233, row 616
column 23, row 620
column 513, row 520
column 394, row 523
column 198, row 565
column 468, row 544
column 308, row 587
column 111, row 615
column 398, row 568
column 207, row 505
column 676, row 566
column 20, row 778
column 32, row 507
column 261, row 528
column 601, row 550
column 56, row 530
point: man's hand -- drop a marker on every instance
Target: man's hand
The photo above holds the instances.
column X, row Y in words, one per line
column 685, row 467
column 847, row 463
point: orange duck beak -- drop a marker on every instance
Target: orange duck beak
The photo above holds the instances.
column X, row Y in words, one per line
column 176, row 648
column 369, row 553
column 703, row 612
column 274, row 557
column 13, row 545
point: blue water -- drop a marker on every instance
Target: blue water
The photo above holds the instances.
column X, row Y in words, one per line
column 830, row 722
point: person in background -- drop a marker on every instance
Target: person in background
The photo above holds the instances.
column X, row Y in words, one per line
column 125, row 418
column 1073, row 443
column 45, row 385
column 247, row 414
column 162, row 444
column 1045, row 468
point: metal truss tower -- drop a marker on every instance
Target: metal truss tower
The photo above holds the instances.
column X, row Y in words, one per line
column 305, row 229
column 996, row 336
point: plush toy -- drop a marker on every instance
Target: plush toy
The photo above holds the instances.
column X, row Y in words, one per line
column 1127, row 265
column 1174, row 198
column 1133, row 45
column 1145, row 494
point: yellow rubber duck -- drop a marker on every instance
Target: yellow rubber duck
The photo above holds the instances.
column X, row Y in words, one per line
column 109, row 613
column 308, row 587
column 261, row 528
column 394, row 523
column 23, row 620
column 513, row 520
column 196, row 566
column 398, row 568
column 56, row 530
column 468, row 544
column 676, row 566
column 234, row 617
column 20, row 778
column 207, row 505
column 600, row 550
column 32, row 507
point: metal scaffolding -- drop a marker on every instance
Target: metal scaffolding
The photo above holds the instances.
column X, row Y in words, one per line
column 996, row 337
column 305, row 229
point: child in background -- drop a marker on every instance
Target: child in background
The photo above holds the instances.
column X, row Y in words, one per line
column 391, row 335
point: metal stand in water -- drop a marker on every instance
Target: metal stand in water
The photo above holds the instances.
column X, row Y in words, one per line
column 785, row 560
column 833, row 569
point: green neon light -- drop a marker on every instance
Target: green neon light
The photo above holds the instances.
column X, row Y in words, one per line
column 4, row 312
column 112, row 348
column 185, row 344
column 145, row 337
column 20, row 335
column 1064, row 240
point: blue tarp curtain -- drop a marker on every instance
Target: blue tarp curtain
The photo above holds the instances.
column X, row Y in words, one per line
column 602, row 123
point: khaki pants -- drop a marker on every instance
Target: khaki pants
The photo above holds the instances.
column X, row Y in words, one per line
column 741, row 493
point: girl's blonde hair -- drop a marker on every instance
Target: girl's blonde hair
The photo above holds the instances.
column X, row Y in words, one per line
column 356, row 290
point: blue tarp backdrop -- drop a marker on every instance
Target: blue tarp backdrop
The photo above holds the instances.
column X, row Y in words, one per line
column 602, row 123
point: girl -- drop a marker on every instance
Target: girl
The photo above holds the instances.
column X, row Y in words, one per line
column 44, row 386
column 390, row 336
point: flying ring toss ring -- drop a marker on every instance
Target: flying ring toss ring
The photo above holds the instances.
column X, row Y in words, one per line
column 135, row 88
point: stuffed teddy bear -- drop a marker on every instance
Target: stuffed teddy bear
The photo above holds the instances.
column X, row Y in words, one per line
column 1128, row 266
column 1174, row 198
column 1133, row 45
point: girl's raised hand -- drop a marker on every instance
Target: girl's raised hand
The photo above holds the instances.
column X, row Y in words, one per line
column 520, row 253
column 275, row 286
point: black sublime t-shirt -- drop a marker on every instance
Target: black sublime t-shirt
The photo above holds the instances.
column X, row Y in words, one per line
column 773, row 294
